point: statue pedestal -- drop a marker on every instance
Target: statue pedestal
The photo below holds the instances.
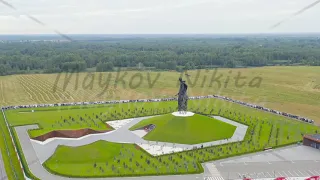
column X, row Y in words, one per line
column 183, row 113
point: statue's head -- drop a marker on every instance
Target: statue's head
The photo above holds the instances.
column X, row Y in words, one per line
column 180, row 78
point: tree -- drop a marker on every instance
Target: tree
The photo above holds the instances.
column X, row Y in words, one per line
column 76, row 66
column 230, row 64
column 3, row 70
column 172, row 65
column 158, row 54
column 102, row 67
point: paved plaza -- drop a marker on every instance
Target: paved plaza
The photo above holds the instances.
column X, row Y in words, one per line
column 295, row 161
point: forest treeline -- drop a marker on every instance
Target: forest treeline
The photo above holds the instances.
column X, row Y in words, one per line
column 175, row 54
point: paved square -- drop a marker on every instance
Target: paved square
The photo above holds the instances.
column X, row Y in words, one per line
column 293, row 161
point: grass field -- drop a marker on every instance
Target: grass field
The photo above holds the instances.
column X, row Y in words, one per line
column 186, row 130
column 50, row 118
column 113, row 159
column 290, row 89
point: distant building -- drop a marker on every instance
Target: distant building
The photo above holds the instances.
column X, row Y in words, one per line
column 312, row 140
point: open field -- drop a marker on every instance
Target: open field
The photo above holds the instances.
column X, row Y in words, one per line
column 186, row 130
column 289, row 89
column 113, row 159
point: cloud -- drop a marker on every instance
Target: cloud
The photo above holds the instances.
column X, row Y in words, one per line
column 153, row 9
column 158, row 16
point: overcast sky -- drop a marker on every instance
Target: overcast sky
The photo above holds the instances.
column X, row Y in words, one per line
column 157, row 16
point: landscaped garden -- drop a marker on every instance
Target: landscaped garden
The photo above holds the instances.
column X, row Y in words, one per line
column 102, row 159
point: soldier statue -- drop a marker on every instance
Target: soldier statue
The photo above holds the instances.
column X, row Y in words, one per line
column 182, row 97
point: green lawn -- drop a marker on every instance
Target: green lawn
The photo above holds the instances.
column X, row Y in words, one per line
column 186, row 130
column 112, row 159
column 59, row 119
column 9, row 155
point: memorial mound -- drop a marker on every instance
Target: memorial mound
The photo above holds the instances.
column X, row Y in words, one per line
column 186, row 130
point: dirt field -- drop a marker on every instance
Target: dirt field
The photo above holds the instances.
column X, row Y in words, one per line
column 290, row 89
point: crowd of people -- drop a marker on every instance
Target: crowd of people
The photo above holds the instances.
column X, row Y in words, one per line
column 165, row 99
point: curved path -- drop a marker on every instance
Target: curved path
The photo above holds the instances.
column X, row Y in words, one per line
column 37, row 152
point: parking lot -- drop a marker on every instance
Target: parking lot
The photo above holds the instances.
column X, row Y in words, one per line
column 272, row 170
column 294, row 161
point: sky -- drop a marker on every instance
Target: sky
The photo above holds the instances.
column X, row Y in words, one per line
column 157, row 16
